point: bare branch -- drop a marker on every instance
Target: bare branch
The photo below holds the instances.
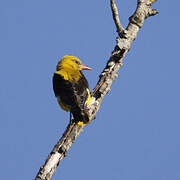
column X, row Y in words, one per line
column 106, row 78
column 114, row 9
column 59, row 151
column 142, row 12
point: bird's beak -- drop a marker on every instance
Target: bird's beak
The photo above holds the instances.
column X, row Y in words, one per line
column 84, row 67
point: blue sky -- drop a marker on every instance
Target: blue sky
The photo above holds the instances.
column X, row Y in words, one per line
column 136, row 133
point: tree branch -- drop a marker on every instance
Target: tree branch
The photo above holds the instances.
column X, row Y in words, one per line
column 119, row 27
column 106, row 78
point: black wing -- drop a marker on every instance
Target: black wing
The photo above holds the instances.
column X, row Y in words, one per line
column 73, row 95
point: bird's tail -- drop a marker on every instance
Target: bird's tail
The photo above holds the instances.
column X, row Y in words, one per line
column 80, row 117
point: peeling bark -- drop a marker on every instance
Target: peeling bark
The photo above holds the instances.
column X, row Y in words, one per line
column 106, row 78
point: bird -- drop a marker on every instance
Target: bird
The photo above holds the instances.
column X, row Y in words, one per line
column 71, row 88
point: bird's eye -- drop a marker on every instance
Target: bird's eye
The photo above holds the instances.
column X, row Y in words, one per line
column 77, row 62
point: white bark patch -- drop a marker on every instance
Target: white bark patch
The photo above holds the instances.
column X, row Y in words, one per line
column 54, row 159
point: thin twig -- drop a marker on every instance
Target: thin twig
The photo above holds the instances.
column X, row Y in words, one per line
column 114, row 9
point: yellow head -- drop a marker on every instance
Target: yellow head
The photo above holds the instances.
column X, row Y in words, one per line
column 71, row 63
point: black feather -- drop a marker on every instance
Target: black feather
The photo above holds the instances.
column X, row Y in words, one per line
column 72, row 95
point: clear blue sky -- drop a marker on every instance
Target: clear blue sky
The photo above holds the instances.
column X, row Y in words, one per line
column 136, row 133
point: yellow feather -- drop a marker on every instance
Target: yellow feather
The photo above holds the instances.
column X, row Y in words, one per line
column 69, row 69
column 69, row 75
column 89, row 97
column 80, row 123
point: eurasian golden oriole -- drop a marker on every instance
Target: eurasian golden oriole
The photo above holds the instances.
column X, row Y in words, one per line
column 71, row 88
